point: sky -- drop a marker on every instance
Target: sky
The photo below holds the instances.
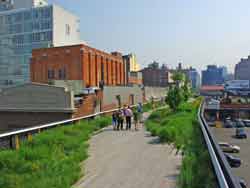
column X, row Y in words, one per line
column 193, row 32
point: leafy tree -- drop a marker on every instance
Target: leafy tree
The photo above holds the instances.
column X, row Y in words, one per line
column 178, row 77
column 174, row 97
column 186, row 90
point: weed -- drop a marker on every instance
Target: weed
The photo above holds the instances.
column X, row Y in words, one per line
column 51, row 159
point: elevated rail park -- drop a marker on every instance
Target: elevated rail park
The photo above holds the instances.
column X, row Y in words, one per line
column 222, row 170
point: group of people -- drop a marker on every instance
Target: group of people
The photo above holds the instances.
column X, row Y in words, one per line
column 127, row 114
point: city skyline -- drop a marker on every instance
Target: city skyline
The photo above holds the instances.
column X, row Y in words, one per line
column 194, row 33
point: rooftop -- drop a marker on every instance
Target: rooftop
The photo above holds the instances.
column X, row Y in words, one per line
column 212, row 88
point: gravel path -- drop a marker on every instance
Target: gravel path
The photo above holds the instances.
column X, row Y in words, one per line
column 129, row 159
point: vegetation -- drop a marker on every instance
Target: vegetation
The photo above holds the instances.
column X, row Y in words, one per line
column 178, row 93
column 181, row 129
column 51, row 159
column 151, row 105
column 186, row 90
column 174, row 97
column 178, row 77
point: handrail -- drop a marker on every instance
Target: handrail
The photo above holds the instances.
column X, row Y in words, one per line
column 11, row 139
column 49, row 125
column 221, row 167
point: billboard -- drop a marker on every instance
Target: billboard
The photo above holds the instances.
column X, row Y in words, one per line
column 237, row 85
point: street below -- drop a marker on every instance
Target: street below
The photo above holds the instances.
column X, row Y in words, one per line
column 227, row 135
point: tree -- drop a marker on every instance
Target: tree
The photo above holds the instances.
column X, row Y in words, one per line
column 174, row 97
column 186, row 90
column 178, row 77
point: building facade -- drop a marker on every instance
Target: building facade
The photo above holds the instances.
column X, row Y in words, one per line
column 135, row 78
column 194, row 78
column 242, row 69
column 27, row 25
column 93, row 67
column 132, row 62
column 131, row 65
column 34, row 104
column 156, row 76
column 213, row 75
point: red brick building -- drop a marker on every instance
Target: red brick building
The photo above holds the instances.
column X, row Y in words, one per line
column 78, row 62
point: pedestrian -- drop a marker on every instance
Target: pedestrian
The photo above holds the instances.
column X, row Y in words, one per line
column 114, row 120
column 120, row 119
column 136, row 119
column 128, row 115
column 140, row 112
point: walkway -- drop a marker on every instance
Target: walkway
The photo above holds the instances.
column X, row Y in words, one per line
column 129, row 160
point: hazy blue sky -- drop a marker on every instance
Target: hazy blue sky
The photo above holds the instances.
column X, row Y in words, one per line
column 194, row 32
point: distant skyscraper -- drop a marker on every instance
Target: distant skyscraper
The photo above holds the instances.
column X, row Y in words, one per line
column 213, row 75
column 27, row 25
column 242, row 69
column 194, row 78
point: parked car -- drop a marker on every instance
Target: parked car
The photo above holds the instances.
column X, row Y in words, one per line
column 228, row 124
column 226, row 147
column 239, row 123
column 246, row 122
column 234, row 162
column 240, row 133
column 211, row 123
column 242, row 182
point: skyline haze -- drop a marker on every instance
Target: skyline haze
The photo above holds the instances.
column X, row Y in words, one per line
column 194, row 33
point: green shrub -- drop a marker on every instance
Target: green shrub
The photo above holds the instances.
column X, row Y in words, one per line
column 51, row 159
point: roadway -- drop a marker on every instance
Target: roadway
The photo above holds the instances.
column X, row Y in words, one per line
column 227, row 135
column 129, row 159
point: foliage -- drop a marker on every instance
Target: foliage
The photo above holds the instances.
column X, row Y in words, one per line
column 149, row 106
column 178, row 77
column 182, row 129
column 177, row 93
column 174, row 97
column 51, row 159
column 186, row 90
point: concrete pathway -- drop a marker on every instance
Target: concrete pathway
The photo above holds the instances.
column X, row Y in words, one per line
column 129, row 159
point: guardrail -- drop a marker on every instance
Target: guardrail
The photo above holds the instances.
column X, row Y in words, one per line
column 12, row 139
column 221, row 167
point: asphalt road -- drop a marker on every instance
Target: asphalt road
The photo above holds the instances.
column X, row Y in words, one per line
column 226, row 135
column 129, row 159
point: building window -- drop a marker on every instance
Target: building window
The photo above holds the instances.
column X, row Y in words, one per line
column 62, row 74
column 51, row 74
column 67, row 29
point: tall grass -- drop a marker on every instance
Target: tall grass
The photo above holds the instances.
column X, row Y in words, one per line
column 149, row 106
column 182, row 129
column 51, row 159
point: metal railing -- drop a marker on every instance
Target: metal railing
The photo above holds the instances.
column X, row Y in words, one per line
column 221, row 167
column 12, row 139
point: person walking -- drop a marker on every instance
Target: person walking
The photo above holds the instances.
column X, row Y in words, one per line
column 128, row 115
column 114, row 120
column 120, row 119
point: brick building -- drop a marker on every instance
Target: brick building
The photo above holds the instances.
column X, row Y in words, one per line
column 155, row 76
column 80, row 63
